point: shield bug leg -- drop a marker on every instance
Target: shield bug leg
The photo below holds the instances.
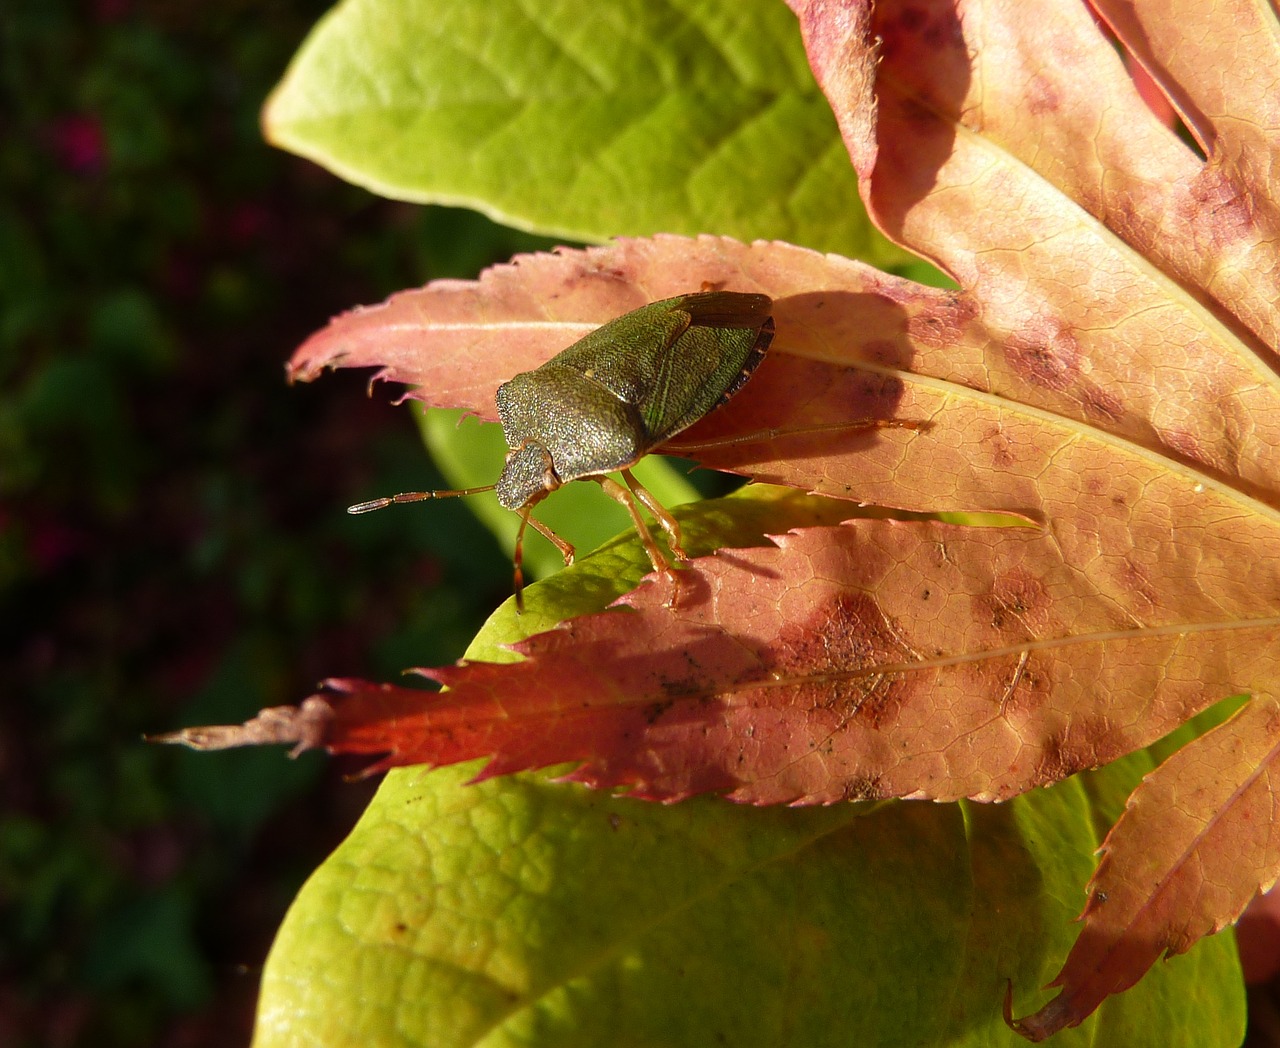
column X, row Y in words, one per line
column 518, row 574
column 660, row 564
column 660, row 513
column 566, row 550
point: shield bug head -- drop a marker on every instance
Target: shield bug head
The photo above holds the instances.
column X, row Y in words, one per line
column 608, row 400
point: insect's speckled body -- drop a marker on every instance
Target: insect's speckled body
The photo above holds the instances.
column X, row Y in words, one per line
column 605, row 402
column 612, row 397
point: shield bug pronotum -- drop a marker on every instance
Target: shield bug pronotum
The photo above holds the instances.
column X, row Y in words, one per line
column 608, row 400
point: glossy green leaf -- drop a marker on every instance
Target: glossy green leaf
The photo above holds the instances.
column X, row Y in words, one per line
column 523, row 911
column 619, row 117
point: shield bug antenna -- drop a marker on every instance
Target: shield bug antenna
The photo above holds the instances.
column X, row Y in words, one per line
column 608, row 400
column 565, row 549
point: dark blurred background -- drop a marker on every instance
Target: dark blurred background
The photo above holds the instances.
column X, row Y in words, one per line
column 173, row 546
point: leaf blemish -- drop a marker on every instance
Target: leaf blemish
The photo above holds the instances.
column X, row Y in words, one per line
column 1017, row 602
column 916, row 32
column 1188, row 446
column 836, row 652
column 1000, row 447
column 1234, row 214
column 863, row 788
column 1049, row 359
column 1138, row 585
column 653, row 712
column 889, row 353
column 1074, row 748
column 1102, row 403
column 1043, row 96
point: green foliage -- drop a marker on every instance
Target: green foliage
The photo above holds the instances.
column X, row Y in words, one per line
column 588, row 121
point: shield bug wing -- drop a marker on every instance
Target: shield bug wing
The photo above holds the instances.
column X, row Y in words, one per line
column 677, row 359
column 625, row 355
column 725, row 341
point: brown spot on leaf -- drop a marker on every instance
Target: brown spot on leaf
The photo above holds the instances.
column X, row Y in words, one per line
column 681, row 688
column 1056, row 761
column 1023, row 685
column 944, row 32
column 915, row 27
column 999, row 447
column 861, row 395
column 1043, row 96
column 942, row 327
column 917, row 114
column 1101, row 403
column 1094, row 483
column 1051, row 362
column 899, row 30
column 863, row 788
column 1086, row 743
column 1188, row 446
column 875, row 396
column 1138, row 585
column 654, row 711
column 885, row 351
column 846, row 653
column 1214, row 195
column 1016, row 604
column 591, row 269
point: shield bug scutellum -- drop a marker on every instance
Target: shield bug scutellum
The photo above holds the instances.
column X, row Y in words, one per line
column 608, row 400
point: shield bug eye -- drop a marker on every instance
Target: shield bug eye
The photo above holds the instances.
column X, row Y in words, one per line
column 604, row 403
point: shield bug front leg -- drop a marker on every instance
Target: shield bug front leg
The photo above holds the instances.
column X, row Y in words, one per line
column 660, row 513
column 660, row 563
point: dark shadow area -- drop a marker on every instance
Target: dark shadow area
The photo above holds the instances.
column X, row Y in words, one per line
column 923, row 79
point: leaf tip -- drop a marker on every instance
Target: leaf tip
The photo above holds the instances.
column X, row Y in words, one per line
column 304, row 726
column 1054, row 1017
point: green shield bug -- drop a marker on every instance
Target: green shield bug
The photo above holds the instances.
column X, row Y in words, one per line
column 608, row 400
